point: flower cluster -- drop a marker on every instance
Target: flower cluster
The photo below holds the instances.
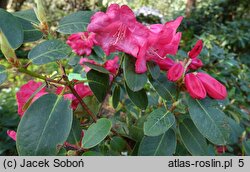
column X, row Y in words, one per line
column 118, row 30
column 198, row 84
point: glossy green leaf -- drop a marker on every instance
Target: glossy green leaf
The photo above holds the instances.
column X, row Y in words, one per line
column 96, row 133
column 31, row 34
column 49, row 51
column 99, row 52
column 11, row 28
column 158, row 122
column 116, row 96
column 246, row 146
column 117, row 143
column 165, row 88
column 154, row 69
column 97, row 67
column 3, row 74
column 192, row 139
column 99, row 84
column 28, row 18
column 42, row 129
column 75, row 22
column 28, row 15
column 209, row 120
column 92, row 153
column 138, row 98
column 75, row 76
column 236, row 131
column 162, row 145
column 134, row 81
column 75, row 132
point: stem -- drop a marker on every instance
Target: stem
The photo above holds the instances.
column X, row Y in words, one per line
column 72, row 89
column 74, row 92
column 23, row 70
column 110, row 86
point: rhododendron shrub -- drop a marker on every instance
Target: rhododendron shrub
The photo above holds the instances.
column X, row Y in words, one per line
column 119, row 87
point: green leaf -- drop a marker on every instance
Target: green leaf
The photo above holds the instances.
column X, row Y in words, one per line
column 165, row 88
column 98, row 51
column 96, row 133
column 134, row 81
column 28, row 15
column 117, row 143
column 97, row 67
column 31, row 34
column 75, row 76
column 45, row 125
column 192, row 139
column 27, row 18
column 158, row 122
column 49, row 51
column 75, row 132
column 116, row 96
column 138, row 98
column 209, row 120
column 99, row 84
column 246, row 146
column 3, row 74
column 236, row 131
column 163, row 145
column 92, row 153
column 154, row 69
column 11, row 28
column 75, row 22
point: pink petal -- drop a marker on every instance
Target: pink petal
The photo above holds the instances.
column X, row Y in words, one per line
column 213, row 87
column 12, row 134
column 196, row 50
column 175, row 72
column 194, row 86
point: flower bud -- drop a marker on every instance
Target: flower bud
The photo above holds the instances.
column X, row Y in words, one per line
column 165, row 64
column 41, row 15
column 40, row 12
column 8, row 51
column 213, row 87
column 11, row 134
column 194, row 86
column 196, row 50
column 175, row 72
column 195, row 64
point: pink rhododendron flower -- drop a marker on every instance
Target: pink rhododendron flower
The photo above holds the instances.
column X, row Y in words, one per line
column 196, row 50
column 195, row 64
column 194, row 86
column 84, row 60
column 25, row 92
column 213, row 87
column 117, row 29
column 12, row 134
column 112, row 65
column 81, row 89
column 166, row 64
column 175, row 72
column 162, row 40
column 81, row 42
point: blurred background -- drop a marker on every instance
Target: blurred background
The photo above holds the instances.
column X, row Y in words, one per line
column 223, row 25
